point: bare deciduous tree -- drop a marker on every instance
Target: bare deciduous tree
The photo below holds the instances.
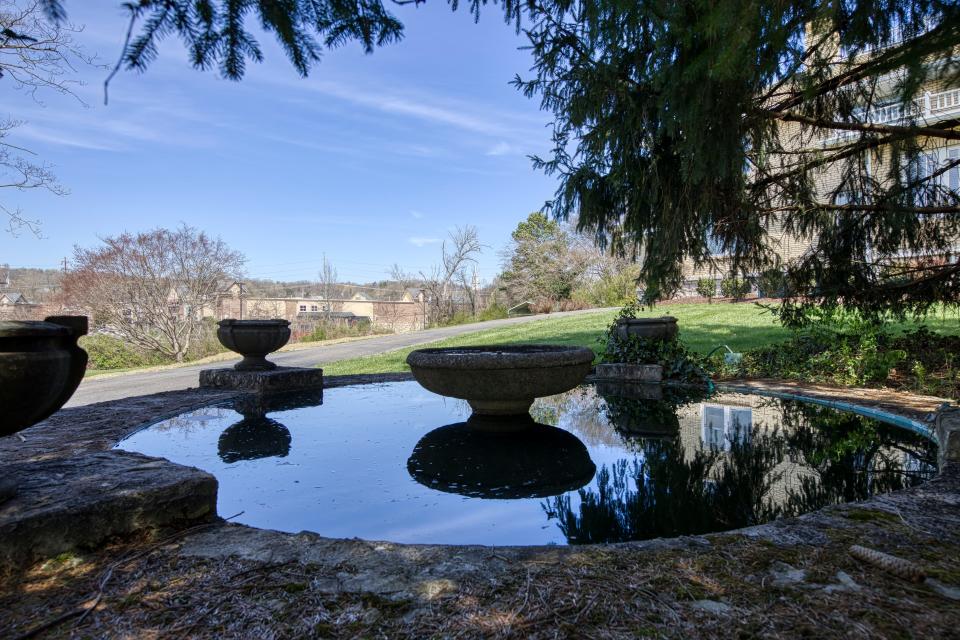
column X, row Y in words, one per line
column 35, row 55
column 459, row 251
column 153, row 288
column 327, row 278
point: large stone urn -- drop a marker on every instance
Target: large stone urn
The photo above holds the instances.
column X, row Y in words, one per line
column 500, row 380
column 663, row 328
column 40, row 368
column 253, row 339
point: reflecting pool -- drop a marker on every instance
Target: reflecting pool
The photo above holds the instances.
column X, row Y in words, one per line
column 601, row 463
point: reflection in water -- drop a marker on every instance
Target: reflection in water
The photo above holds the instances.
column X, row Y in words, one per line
column 257, row 436
column 645, row 410
column 253, row 438
column 750, row 478
column 618, row 462
column 533, row 462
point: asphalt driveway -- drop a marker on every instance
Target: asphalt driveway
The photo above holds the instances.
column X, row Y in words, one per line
column 101, row 389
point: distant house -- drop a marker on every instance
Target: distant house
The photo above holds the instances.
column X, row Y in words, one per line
column 399, row 311
column 15, row 306
column 12, row 298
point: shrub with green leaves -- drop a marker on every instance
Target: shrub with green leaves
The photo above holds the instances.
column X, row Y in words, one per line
column 707, row 287
column 842, row 348
column 735, row 288
column 107, row 352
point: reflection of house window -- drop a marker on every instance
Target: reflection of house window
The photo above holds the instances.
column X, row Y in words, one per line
column 721, row 424
column 303, row 307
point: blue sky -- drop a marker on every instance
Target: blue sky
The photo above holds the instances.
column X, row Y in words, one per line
column 372, row 159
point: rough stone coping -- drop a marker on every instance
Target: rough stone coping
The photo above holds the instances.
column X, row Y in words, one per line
column 533, row 356
column 649, row 373
column 272, row 381
column 424, row 571
column 82, row 500
column 387, row 568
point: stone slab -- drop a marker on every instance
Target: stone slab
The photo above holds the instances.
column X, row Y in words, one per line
column 629, row 372
column 84, row 500
column 276, row 380
column 947, row 428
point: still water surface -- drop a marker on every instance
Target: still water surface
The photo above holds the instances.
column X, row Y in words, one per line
column 602, row 463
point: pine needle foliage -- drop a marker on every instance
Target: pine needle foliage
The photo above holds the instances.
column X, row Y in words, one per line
column 684, row 127
column 688, row 129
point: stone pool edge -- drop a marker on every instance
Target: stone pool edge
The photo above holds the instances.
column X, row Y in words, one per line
column 354, row 565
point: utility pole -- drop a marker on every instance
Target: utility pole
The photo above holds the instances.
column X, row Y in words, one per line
column 64, row 265
column 240, row 284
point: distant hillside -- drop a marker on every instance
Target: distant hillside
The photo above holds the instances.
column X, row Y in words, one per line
column 37, row 285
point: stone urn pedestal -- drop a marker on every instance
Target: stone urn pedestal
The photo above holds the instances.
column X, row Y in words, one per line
column 500, row 380
column 254, row 339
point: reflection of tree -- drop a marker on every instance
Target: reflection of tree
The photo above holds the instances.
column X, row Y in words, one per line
column 852, row 457
column 189, row 421
column 674, row 495
column 817, row 457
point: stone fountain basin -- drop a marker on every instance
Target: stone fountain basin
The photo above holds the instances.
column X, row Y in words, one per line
column 500, row 380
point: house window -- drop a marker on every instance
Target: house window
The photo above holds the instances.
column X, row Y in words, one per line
column 314, row 307
column 303, row 307
column 944, row 187
column 714, row 245
column 720, row 425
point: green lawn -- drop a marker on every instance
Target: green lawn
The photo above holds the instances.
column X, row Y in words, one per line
column 702, row 327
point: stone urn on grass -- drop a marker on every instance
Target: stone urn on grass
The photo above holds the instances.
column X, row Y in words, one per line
column 663, row 328
column 40, row 368
column 253, row 339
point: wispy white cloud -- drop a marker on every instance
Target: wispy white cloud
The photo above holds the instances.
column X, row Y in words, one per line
column 418, row 241
column 484, row 120
column 503, row 149
column 67, row 139
column 418, row 215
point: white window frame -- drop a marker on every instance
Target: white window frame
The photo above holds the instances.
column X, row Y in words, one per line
column 303, row 308
column 719, row 436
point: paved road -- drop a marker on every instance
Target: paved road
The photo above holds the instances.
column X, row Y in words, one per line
column 100, row 389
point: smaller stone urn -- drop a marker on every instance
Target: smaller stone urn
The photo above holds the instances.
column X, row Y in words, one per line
column 253, row 339
column 664, row 328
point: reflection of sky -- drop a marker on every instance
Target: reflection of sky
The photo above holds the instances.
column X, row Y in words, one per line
column 346, row 472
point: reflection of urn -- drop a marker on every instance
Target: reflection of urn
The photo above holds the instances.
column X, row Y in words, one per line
column 529, row 461
column 254, row 405
column 253, row 339
column 639, row 410
column 257, row 436
column 253, row 438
